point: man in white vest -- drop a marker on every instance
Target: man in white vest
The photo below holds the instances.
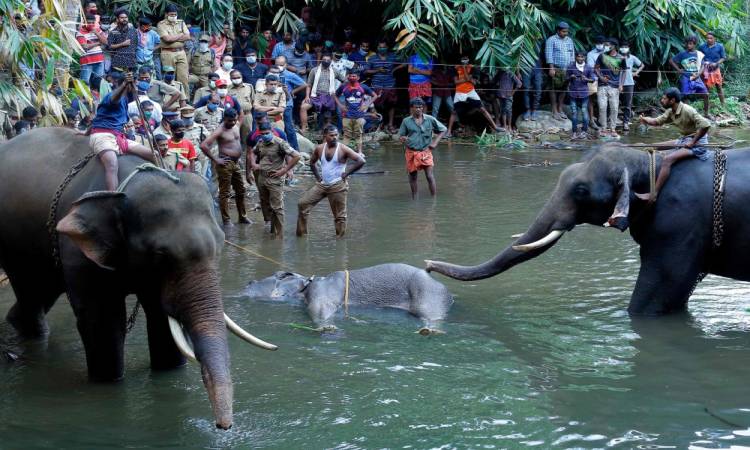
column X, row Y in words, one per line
column 321, row 88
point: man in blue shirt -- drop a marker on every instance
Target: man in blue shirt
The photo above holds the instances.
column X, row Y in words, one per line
column 715, row 55
column 250, row 68
column 689, row 63
column 292, row 84
column 381, row 66
column 148, row 39
column 284, row 48
column 106, row 135
column 354, row 107
column 559, row 53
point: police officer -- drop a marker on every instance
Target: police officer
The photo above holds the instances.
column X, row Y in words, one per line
column 195, row 133
column 162, row 91
column 245, row 94
column 206, row 90
column 174, row 33
column 201, row 63
column 211, row 114
column 166, row 118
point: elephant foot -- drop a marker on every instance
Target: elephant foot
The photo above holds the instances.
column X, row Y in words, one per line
column 424, row 331
column 28, row 324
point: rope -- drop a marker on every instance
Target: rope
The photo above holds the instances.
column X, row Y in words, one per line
column 256, row 254
column 346, row 294
column 652, row 172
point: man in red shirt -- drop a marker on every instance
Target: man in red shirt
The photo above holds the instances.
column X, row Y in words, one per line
column 91, row 37
column 183, row 146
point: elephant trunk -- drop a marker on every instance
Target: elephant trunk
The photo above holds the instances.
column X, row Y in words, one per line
column 195, row 299
column 542, row 235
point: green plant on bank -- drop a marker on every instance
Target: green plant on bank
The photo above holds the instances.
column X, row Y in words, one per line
column 732, row 107
column 505, row 141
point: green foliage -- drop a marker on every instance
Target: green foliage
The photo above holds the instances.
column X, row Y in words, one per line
column 504, row 141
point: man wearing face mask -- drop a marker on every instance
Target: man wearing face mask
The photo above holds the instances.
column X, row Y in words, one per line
column 174, row 33
column 227, row 64
column 195, row 133
column 269, row 159
column 285, row 47
column 251, row 69
column 381, row 67
column 271, row 100
column 628, row 83
column 360, row 56
column 211, row 114
column 227, row 136
column 91, row 38
column 227, row 101
column 610, row 69
column 164, row 91
column 244, row 93
column 143, row 85
column 354, row 107
column 321, row 90
column 206, row 90
column 165, row 126
column 292, row 85
column 201, row 63
column 331, row 179
column 185, row 149
column 122, row 42
column 148, row 40
column 591, row 57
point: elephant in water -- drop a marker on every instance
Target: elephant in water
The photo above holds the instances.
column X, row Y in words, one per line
column 397, row 286
column 674, row 234
column 157, row 238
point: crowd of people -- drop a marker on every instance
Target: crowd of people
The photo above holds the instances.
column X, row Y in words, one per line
column 203, row 99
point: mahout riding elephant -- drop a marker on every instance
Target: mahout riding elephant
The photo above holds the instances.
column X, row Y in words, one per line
column 675, row 234
column 392, row 285
column 157, row 238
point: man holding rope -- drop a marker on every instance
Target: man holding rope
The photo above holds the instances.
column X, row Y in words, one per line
column 692, row 143
column 106, row 137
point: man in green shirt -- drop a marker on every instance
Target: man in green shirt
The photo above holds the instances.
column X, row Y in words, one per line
column 693, row 127
column 417, row 133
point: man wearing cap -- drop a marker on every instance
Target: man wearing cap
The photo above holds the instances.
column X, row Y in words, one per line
column 271, row 100
column 148, row 39
column 354, row 107
column 174, row 33
column 164, row 91
column 207, row 90
column 559, row 53
column 244, row 93
column 195, row 133
column 164, row 127
column 417, row 132
column 268, row 157
column 201, row 62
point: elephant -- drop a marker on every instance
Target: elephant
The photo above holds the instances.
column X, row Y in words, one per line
column 157, row 238
column 399, row 286
column 674, row 233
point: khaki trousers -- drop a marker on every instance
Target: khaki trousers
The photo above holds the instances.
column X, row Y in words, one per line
column 178, row 60
column 336, row 194
column 353, row 129
column 271, row 193
column 230, row 177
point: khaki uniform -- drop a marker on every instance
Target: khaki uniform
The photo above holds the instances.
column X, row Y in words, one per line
column 245, row 94
column 336, row 193
column 173, row 54
column 160, row 92
column 161, row 130
column 202, row 92
column 271, row 190
column 210, row 120
column 197, row 134
column 201, row 64
column 276, row 99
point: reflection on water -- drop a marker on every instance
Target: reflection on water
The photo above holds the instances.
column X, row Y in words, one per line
column 543, row 356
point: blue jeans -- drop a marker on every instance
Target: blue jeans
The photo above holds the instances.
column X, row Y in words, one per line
column 532, row 86
column 87, row 69
column 579, row 105
column 291, row 132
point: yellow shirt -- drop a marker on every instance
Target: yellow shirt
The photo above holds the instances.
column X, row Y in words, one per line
column 686, row 119
column 167, row 28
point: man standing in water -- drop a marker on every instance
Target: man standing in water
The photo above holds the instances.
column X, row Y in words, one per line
column 227, row 165
column 332, row 182
column 417, row 133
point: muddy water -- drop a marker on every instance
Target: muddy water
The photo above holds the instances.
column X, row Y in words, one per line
column 543, row 356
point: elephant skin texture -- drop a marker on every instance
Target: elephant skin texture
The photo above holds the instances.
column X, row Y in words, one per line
column 158, row 239
column 398, row 286
column 674, row 234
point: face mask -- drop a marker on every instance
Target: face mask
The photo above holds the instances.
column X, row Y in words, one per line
column 298, row 54
column 607, row 48
column 179, row 134
column 624, row 50
column 266, row 137
column 251, row 60
column 326, row 64
column 464, row 61
column 130, row 135
column 382, row 50
column 227, row 65
column 212, row 107
column 147, row 114
column 169, row 77
column 277, row 90
column 237, row 81
column 172, row 19
column 599, row 47
column 222, row 92
column 57, row 92
column 203, row 46
column 362, row 51
column 143, row 85
column 212, row 84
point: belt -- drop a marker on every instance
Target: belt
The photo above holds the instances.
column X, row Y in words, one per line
column 173, row 49
column 229, row 157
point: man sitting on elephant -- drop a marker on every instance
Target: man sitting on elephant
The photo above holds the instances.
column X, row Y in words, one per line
column 694, row 129
column 107, row 139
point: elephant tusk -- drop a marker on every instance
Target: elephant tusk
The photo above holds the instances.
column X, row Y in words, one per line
column 245, row 336
column 179, row 339
column 516, row 236
column 552, row 237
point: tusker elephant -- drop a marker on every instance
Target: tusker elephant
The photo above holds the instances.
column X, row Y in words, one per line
column 157, row 238
column 674, row 234
column 397, row 286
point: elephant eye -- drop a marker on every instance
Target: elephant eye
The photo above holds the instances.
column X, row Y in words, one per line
column 581, row 191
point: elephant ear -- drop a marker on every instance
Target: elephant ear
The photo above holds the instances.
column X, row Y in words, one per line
column 94, row 224
column 619, row 217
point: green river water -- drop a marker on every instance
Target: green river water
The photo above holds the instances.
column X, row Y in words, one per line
column 541, row 356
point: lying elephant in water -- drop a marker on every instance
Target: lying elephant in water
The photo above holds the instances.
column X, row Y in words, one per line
column 397, row 286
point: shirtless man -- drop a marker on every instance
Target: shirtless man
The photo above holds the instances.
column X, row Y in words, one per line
column 227, row 165
column 332, row 182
